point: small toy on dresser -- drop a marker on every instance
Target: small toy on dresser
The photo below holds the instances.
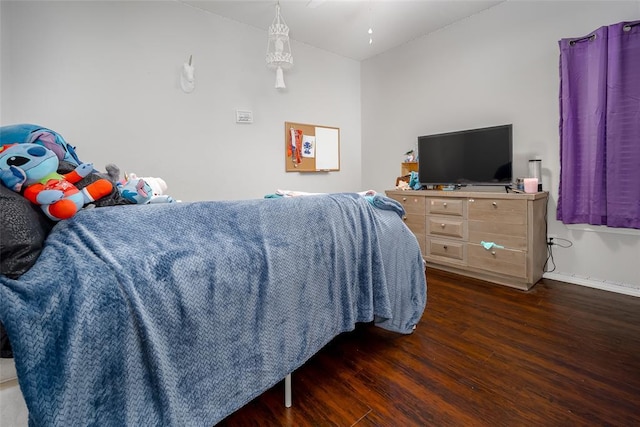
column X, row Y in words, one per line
column 143, row 190
column 32, row 170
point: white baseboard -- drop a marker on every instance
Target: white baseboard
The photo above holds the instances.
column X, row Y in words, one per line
column 621, row 288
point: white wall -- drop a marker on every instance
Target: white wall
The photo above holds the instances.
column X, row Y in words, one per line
column 106, row 76
column 499, row 66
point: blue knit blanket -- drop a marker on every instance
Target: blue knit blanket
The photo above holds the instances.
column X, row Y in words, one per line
column 178, row 314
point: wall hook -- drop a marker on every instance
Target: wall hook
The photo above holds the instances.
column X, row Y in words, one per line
column 187, row 77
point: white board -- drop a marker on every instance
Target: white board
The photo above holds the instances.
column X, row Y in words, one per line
column 327, row 148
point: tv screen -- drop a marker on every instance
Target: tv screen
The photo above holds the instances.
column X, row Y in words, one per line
column 469, row 157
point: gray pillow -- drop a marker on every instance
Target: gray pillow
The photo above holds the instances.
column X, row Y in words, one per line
column 23, row 230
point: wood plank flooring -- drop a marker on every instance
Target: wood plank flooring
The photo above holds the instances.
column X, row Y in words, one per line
column 482, row 355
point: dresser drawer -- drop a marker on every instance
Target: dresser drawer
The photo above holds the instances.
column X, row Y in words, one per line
column 416, row 223
column 446, row 207
column 499, row 261
column 501, row 211
column 446, row 249
column 447, row 227
column 411, row 204
column 512, row 236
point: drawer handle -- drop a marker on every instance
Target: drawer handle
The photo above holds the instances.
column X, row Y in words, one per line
column 495, row 204
column 493, row 253
column 404, row 218
column 445, row 247
column 404, row 199
column 442, row 225
column 444, row 204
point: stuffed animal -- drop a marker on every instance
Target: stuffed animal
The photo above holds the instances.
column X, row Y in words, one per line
column 34, row 134
column 158, row 187
column 32, row 168
column 145, row 190
column 135, row 191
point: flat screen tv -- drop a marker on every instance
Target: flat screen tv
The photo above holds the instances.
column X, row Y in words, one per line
column 469, row 157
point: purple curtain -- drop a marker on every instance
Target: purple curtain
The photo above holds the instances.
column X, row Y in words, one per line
column 600, row 127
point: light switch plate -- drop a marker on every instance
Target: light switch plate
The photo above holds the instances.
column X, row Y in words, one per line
column 244, row 116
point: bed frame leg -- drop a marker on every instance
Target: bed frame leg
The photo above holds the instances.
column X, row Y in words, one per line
column 287, row 391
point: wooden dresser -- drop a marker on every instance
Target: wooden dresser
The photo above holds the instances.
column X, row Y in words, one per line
column 498, row 237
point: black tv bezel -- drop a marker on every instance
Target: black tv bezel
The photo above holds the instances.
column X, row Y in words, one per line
column 469, row 183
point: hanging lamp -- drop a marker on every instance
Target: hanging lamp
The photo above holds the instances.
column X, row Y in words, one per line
column 278, row 48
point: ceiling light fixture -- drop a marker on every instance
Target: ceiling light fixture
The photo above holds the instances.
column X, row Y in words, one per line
column 278, row 48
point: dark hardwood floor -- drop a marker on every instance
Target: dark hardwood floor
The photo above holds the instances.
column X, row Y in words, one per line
column 486, row 355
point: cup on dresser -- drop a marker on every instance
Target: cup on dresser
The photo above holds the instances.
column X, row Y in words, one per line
column 531, row 185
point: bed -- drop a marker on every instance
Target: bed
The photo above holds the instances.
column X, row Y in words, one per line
column 179, row 314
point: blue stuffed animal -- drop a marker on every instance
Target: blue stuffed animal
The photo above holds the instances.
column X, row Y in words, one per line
column 34, row 134
column 32, row 168
column 140, row 191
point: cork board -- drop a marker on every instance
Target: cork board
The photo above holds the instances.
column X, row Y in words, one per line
column 317, row 148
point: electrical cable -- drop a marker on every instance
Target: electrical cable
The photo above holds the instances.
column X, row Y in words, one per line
column 550, row 243
column 549, row 258
column 565, row 246
column 549, row 250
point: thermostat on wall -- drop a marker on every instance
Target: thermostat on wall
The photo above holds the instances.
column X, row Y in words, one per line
column 244, row 116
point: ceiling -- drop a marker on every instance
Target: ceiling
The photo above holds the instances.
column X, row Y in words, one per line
column 341, row 26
